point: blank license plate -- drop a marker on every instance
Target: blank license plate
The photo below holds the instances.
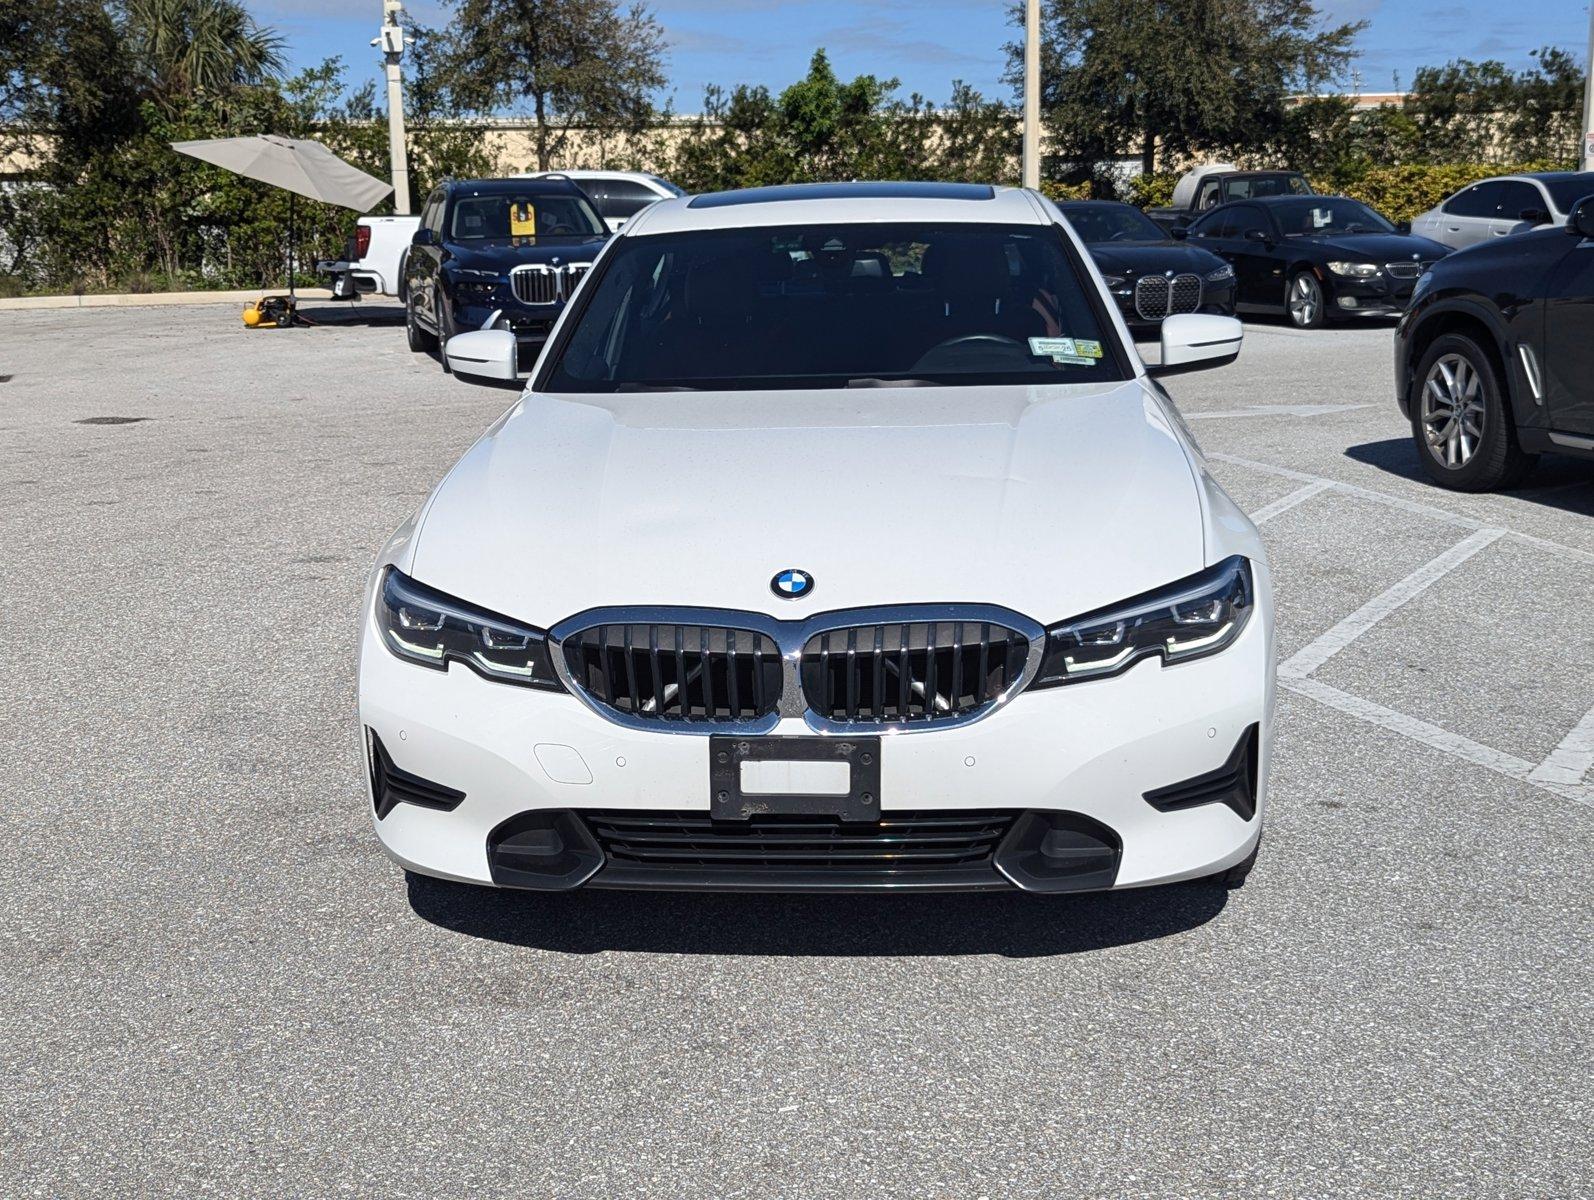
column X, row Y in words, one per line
column 786, row 778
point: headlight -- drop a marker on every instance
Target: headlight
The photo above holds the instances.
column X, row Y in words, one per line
column 1188, row 619
column 1222, row 275
column 1354, row 270
column 427, row 627
column 488, row 276
column 1114, row 282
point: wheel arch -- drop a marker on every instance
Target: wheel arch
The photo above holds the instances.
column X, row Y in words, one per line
column 1471, row 321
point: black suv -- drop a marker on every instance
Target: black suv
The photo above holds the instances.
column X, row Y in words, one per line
column 1494, row 361
column 498, row 254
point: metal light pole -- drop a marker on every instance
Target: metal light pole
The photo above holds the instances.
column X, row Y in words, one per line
column 1588, row 99
column 391, row 38
column 1032, row 93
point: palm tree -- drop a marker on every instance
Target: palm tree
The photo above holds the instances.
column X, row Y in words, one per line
column 188, row 48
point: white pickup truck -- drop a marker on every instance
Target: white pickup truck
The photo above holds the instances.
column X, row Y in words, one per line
column 374, row 260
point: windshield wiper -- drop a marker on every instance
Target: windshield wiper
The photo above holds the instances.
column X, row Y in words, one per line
column 653, row 387
column 873, row 381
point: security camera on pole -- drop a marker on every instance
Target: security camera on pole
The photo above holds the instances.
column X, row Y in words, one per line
column 391, row 38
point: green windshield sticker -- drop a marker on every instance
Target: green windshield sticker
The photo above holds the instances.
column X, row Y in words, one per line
column 1076, row 352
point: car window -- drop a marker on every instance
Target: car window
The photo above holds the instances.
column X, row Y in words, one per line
column 1113, row 223
column 823, row 305
column 1211, row 194
column 502, row 215
column 1264, row 185
column 1247, row 219
column 620, row 199
column 1479, row 200
column 1213, row 225
column 432, row 218
column 1516, row 196
column 1327, row 215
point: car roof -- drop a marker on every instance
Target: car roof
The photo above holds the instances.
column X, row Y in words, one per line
column 518, row 183
column 1276, row 201
column 839, row 203
column 590, row 173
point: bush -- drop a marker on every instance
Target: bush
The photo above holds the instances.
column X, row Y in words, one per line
column 1153, row 191
column 1066, row 191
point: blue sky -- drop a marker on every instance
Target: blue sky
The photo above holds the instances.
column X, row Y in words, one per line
column 928, row 43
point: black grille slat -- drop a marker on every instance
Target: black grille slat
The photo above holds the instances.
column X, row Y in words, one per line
column 911, row 672
column 898, row 844
column 676, row 673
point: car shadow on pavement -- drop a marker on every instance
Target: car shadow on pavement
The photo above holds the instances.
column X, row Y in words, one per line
column 1013, row 925
column 1557, row 482
column 355, row 313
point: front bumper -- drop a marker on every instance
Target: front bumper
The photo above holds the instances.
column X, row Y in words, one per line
column 1378, row 297
column 1080, row 757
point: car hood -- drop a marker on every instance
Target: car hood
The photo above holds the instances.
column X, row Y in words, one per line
column 1143, row 258
column 1050, row 500
column 503, row 253
column 1374, row 247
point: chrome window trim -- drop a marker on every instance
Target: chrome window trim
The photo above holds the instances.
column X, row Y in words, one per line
column 790, row 636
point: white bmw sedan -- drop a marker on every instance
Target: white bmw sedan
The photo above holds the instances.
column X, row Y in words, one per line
column 840, row 541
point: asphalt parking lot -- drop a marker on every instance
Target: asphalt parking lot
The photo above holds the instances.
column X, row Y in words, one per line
column 215, row 983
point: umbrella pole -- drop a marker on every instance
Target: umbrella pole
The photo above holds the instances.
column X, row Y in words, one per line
column 293, row 209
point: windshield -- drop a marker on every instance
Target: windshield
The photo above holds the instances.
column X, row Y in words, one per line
column 1113, row 223
column 836, row 306
column 527, row 216
column 1249, row 187
column 1328, row 215
column 1569, row 189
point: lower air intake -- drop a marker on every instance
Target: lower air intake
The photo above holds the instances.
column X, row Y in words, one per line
column 391, row 786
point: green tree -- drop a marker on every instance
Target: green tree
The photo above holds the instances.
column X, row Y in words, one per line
column 1126, row 76
column 564, row 62
column 824, row 128
column 1467, row 111
column 188, row 48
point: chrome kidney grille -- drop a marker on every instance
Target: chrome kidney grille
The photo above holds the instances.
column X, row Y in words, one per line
column 686, row 674
column 540, row 283
column 1158, row 296
column 688, row 670
column 1406, row 270
column 920, row 671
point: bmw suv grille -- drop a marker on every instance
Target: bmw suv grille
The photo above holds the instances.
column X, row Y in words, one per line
column 1158, row 296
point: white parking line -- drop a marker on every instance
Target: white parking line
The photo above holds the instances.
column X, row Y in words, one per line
column 1569, row 762
column 1284, row 503
column 1562, row 773
column 1320, row 650
column 1453, row 744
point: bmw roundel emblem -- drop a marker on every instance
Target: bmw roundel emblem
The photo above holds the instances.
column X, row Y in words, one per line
column 792, row 584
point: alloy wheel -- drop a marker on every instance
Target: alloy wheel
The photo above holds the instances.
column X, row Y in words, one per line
column 1305, row 300
column 1452, row 410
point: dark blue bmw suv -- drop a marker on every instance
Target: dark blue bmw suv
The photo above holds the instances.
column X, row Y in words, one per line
column 498, row 254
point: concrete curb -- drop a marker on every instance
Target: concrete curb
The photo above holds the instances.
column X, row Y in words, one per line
column 152, row 299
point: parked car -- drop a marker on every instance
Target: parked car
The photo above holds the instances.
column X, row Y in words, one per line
column 1204, row 188
column 1149, row 273
column 617, row 195
column 373, row 261
column 648, row 634
column 1316, row 258
column 498, row 254
column 1494, row 361
column 1506, row 204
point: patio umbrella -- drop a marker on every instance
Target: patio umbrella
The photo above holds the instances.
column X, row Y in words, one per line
column 299, row 166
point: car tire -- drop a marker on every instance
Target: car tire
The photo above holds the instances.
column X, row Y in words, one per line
column 440, row 313
column 404, row 278
column 1304, row 303
column 1461, row 423
column 420, row 341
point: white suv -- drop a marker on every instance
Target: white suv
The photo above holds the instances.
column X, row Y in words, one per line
column 841, row 541
column 618, row 195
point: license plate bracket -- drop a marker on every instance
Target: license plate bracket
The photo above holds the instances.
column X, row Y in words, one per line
column 728, row 801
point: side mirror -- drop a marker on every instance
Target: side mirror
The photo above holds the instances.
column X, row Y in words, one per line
column 485, row 354
column 1195, row 342
column 1402, row 226
column 1581, row 221
column 1179, row 232
column 1534, row 216
column 423, row 237
column 1258, row 235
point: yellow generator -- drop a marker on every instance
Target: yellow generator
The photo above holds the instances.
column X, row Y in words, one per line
column 270, row 312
